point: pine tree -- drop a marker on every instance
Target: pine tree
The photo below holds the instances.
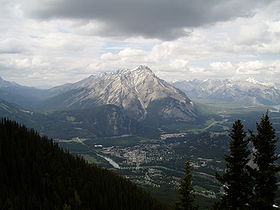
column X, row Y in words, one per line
column 186, row 197
column 265, row 172
column 236, row 179
column 35, row 173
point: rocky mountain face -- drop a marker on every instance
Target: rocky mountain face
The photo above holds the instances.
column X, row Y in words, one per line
column 139, row 92
column 101, row 121
column 15, row 112
column 249, row 92
column 126, row 102
column 5, row 84
column 21, row 95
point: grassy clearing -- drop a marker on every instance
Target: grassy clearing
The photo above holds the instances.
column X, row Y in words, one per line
column 199, row 189
column 145, row 140
column 91, row 159
column 215, row 107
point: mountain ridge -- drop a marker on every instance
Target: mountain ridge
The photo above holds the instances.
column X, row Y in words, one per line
column 248, row 92
column 102, row 121
column 21, row 95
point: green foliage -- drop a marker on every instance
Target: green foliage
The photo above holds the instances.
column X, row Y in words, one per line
column 250, row 187
column 66, row 207
column 35, row 173
column 265, row 173
column 100, row 121
column 96, row 122
column 186, row 191
column 236, row 180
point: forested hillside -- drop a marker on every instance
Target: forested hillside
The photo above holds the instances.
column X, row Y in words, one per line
column 37, row 174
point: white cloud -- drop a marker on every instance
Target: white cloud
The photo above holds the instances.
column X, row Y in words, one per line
column 263, row 70
column 49, row 52
column 11, row 46
column 257, row 35
column 161, row 19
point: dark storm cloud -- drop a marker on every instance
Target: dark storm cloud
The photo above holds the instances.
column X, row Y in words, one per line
column 162, row 19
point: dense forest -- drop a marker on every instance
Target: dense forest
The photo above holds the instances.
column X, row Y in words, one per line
column 35, row 173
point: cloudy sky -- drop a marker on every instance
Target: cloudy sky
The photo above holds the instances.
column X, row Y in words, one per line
column 51, row 42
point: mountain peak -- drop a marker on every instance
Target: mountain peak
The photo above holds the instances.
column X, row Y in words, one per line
column 138, row 69
column 142, row 67
column 142, row 70
column 256, row 82
column 252, row 80
column 4, row 83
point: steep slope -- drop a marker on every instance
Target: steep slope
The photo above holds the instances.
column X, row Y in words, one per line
column 133, row 90
column 36, row 174
column 15, row 112
column 21, row 95
column 101, row 121
column 249, row 92
column 4, row 83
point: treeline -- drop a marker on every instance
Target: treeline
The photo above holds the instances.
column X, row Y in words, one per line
column 249, row 180
column 35, row 173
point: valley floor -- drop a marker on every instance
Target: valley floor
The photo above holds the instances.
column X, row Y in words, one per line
column 157, row 164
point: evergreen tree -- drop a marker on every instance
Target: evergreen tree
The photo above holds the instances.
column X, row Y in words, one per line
column 265, row 172
column 236, row 179
column 186, row 191
column 35, row 173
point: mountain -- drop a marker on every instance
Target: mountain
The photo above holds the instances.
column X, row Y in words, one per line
column 101, row 121
column 15, row 112
column 126, row 102
column 139, row 92
column 249, row 92
column 4, row 83
column 37, row 174
column 21, row 95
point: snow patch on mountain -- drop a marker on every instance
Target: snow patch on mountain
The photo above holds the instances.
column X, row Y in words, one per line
column 5, row 84
column 256, row 82
column 248, row 92
column 131, row 89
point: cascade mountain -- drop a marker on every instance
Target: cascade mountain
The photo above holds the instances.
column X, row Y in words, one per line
column 137, row 91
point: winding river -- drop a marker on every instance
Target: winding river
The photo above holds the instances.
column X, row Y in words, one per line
column 112, row 163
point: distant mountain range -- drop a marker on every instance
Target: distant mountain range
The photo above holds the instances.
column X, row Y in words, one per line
column 21, row 95
column 249, row 92
column 125, row 102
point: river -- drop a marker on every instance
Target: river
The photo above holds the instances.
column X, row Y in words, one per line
column 112, row 163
